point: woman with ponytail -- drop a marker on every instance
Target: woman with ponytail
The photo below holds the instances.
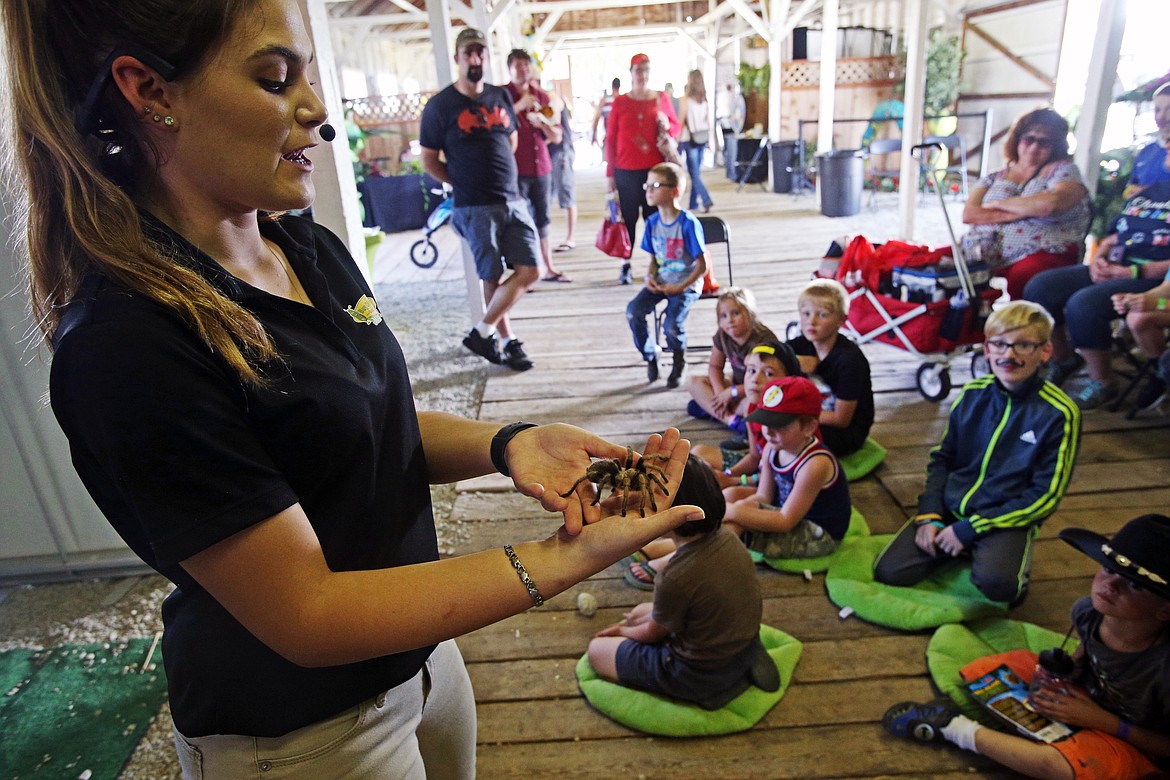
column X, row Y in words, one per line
column 240, row 412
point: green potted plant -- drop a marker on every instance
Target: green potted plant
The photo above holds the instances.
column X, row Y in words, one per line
column 944, row 58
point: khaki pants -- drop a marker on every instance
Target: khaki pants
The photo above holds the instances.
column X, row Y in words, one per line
column 423, row 728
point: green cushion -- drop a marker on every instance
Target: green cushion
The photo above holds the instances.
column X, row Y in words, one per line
column 656, row 714
column 865, row 460
column 946, row 596
column 954, row 646
column 857, row 527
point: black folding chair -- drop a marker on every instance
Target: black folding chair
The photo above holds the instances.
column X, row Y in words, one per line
column 875, row 175
column 715, row 231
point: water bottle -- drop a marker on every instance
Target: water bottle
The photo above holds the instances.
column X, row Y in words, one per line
column 951, row 327
column 1054, row 669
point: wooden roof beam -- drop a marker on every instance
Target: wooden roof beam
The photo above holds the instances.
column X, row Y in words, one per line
column 1019, row 62
column 583, row 5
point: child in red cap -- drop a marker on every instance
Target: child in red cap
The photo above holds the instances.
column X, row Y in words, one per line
column 801, row 507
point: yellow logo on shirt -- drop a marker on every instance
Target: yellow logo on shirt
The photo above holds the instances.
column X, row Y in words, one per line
column 365, row 311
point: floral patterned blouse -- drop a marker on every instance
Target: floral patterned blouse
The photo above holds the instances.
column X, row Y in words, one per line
column 1005, row 244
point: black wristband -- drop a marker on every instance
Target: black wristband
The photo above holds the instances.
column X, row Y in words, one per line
column 500, row 443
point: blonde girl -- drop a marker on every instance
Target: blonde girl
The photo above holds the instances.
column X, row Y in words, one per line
column 717, row 395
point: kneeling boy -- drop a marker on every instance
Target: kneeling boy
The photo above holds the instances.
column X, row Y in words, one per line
column 1002, row 467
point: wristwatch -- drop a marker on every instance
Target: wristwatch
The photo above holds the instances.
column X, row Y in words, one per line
column 735, row 391
column 500, row 444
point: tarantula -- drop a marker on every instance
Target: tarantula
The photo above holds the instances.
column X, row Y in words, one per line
column 625, row 478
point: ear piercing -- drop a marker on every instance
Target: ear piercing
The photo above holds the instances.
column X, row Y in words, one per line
column 169, row 121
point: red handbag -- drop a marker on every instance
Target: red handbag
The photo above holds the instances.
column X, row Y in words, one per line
column 614, row 238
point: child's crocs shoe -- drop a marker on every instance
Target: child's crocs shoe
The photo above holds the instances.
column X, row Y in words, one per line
column 738, row 425
column 923, row 722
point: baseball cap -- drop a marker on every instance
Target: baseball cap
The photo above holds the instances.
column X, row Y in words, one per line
column 1137, row 552
column 783, row 353
column 468, row 36
column 785, row 399
column 639, row 59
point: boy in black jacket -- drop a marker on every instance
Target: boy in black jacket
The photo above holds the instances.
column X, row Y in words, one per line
column 1002, row 467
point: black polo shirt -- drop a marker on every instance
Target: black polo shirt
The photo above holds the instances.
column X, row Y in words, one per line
column 179, row 454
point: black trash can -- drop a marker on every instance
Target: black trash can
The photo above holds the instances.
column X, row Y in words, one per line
column 841, row 173
column 784, row 162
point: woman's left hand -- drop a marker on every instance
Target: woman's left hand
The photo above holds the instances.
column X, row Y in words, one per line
column 545, row 461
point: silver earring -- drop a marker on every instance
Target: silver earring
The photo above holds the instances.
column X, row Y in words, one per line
column 169, row 121
column 146, row 110
column 157, row 118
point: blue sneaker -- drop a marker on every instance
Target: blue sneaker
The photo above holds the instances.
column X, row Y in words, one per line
column 923, row 722
column 696, row 411
column 1095, row 394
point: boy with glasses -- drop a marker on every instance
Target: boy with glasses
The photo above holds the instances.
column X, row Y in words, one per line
column 1002, row 467
column 678, row 262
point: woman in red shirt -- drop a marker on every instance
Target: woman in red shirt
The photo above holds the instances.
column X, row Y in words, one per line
column 631, row 145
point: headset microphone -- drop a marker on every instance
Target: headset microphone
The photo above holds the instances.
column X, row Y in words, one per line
column 327, row 133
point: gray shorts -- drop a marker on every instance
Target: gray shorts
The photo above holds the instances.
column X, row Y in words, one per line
column 534, row 189
column 498, row 234
column 564, row 179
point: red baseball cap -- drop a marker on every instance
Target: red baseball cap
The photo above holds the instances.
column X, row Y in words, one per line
column 639, row 59
column 785, row 399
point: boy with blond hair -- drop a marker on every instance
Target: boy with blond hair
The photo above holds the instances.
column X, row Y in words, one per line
column 847, row 412
column 1002, row 467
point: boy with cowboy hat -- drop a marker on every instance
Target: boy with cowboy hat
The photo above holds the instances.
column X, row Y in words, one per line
column 1121, row 700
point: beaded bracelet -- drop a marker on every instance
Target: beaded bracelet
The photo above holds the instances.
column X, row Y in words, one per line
column 533, row 593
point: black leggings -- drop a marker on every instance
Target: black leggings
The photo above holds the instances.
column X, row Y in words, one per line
column 631, row 198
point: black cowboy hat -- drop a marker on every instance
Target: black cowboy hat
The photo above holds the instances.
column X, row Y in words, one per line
column 1138, row 552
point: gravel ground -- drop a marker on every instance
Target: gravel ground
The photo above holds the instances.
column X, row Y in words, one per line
column 428, row 319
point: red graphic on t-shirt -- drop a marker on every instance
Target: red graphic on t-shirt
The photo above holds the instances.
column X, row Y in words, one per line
column 479, row 118
column 674, row 248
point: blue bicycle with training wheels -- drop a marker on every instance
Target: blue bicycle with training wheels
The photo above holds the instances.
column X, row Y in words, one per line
column 423, row 252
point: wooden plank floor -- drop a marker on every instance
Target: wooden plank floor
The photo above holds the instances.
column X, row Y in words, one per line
column 532, row 720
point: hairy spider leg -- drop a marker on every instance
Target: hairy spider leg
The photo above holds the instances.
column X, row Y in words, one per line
column 658, row 481
column 569, row 492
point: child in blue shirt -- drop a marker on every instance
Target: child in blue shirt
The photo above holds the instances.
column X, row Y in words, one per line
column 678, row 261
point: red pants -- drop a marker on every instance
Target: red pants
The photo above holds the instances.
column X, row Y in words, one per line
column 1019, row 272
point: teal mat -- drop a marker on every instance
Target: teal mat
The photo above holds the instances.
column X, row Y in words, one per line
column 76, row 707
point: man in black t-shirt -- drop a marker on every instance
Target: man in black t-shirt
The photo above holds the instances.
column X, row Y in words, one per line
column 473, row 125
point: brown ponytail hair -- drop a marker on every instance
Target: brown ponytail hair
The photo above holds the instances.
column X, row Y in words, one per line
column 74, row 209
